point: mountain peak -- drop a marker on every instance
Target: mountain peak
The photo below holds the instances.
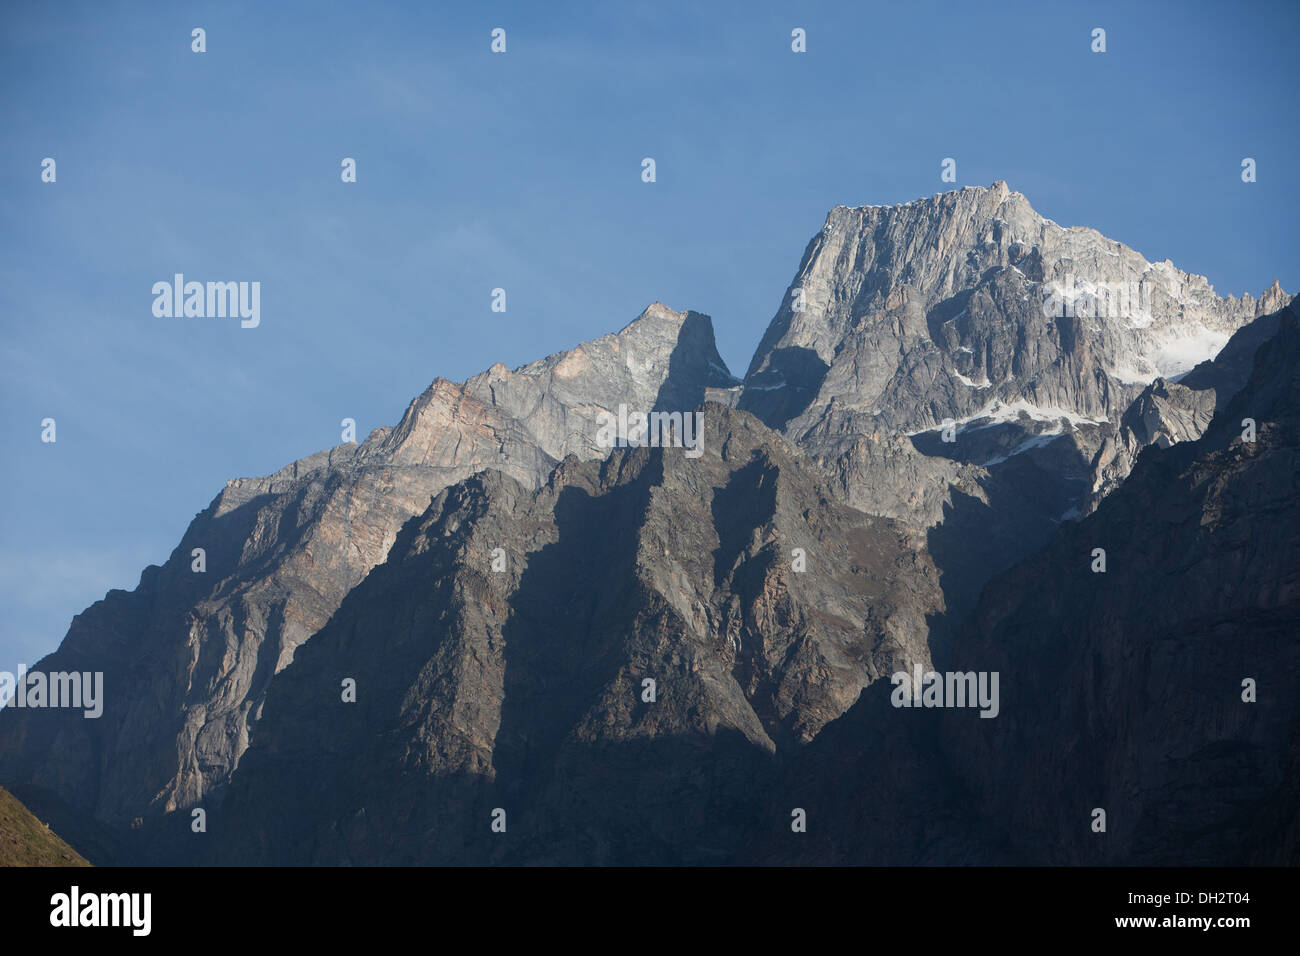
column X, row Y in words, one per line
column 284, row 549
column 921, row 273
column 965, row 200
column 658, row 311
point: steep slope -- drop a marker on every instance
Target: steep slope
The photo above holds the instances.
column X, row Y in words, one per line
column 524, row 689
column 26, row 841
column 1168, row 412
column 832, row 532
column 1118, row 690
column 1124, row 690
column 188, row 657
column 955, row 306
column 1031, row 342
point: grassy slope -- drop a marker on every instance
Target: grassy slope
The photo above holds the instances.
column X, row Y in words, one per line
column 25, row 841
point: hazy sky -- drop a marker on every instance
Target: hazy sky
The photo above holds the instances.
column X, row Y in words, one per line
column 523, row 171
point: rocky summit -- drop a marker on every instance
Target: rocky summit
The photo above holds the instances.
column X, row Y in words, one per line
column 199, row 651
column 963, row 362
column 488, row 634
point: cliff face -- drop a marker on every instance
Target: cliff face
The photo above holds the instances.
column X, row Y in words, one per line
column 522, row 690
column 188, row 657
column 968, row 366
column 1120, row 690
column 955, row 306
column 948, row 404
column 1167, row 412
column 525, row 688
column 969, row 308
column 1124, row 690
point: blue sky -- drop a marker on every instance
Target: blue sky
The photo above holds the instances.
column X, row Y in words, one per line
column 522, row 171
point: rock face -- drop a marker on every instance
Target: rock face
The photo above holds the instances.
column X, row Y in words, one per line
column 522, row 690
column 188, row 657
column 1119, row 691
column 1166, row 412
column 1029, row 340
column 1124, row 690
column 525, row 689
column 952, row 388
column 971, row 308
column 969, row 303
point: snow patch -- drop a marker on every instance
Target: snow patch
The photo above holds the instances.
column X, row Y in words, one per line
column 1139, row 372
column 998, row 412
column 1172, row 357
column 1038, row 441
column 1181, row 355
column 965, row 381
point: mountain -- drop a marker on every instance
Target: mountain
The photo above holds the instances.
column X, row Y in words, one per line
column 1031, row 341
column 1125, row 690
column 524, row 689
column 1169, row 412
column 188, row 657
column 1119, row 690
column 972, row 306
column 951, row 389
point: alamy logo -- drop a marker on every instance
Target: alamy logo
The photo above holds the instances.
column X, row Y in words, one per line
column 1074, row 297
column 215, row 300
column 656, row 430
column 72, row 909
column 950, row 689
column 35, row 689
